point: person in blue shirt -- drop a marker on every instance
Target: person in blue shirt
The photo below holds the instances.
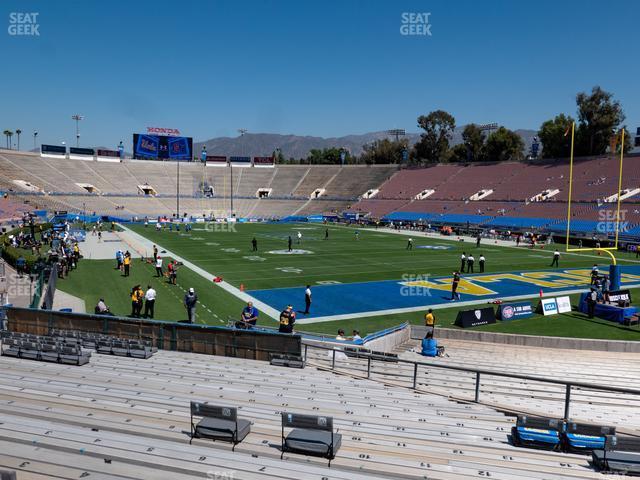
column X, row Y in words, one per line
column 21, row 265
column 248, row 317
column 429, row 345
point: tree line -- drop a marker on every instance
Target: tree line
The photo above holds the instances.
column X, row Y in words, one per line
column 599, row 120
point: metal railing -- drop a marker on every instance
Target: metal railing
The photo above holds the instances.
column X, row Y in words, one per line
column 477, row 373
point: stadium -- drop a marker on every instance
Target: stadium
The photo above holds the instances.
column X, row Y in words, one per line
column 449, row 304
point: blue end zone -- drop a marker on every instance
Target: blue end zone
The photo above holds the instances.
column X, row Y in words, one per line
column 340, row 299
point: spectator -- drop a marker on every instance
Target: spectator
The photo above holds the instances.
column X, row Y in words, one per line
column 190, row 301
column 287, row 320
column 149, row 302
column 248, row 317
column 159, row 272
column 137, row 296
column 307, row 299
column 430, row 321
column 341, row 335
column 430, row 346
column 101, row 308
column 172, row 268
column 127, row 263
column 592, row 299
column 356, row 337
column 606, row 287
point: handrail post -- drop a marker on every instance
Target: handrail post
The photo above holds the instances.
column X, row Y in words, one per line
column 567, row 401
column 477, row 397
column 333, row 360
column 306, row 348
column 369, row 367
column 415, row 375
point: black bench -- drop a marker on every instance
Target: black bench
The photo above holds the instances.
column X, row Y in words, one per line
column 311, row 435
column 74, row 356
column 218, row 423
column 620, row 454
column 291, row 361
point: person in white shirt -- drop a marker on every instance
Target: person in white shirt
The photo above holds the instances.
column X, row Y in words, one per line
column 556, row 258
column 159, row 271
column 410, row 244
column 481, row 261
column 307, row 299
column 470, row 261
column 463, row 261
column 356, row 338
column 149, row 302
column 299, row 237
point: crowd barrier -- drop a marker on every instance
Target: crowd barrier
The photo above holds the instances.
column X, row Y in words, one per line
column 184, row 337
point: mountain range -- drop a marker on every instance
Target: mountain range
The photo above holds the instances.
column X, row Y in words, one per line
column 297, row 146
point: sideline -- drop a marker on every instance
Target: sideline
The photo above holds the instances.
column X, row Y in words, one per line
column 142, row 245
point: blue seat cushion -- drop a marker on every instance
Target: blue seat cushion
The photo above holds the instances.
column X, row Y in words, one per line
column 538, row 435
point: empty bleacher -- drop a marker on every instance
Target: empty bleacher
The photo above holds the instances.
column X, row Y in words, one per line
column 121, row 417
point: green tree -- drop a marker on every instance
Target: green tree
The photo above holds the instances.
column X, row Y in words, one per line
column 473, row 140
column 504, row 145
column 384, row 151
column 459, row 153
column 327, row 156
column 434, row 142
column 556, row 142
column 599, row 116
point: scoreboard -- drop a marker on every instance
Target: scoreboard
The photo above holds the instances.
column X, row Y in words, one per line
column 161, row 147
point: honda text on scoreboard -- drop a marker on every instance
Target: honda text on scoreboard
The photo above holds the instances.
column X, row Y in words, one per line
column 162, row 147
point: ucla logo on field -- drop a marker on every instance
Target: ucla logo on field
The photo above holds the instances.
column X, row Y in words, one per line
column 434, row 247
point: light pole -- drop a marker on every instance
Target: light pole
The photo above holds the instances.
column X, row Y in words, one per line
column 35, row 134
column 242, row 131
column 77, row 118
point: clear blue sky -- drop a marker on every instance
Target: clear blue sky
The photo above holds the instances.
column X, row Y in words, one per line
column 326, row 68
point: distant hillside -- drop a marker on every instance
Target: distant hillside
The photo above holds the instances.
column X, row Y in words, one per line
column 257, row 144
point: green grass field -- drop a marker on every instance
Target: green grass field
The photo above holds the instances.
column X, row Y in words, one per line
column 343, row 258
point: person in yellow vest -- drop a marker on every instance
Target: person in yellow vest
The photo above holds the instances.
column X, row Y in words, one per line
column 430, row 321
column 137, row 296
column 127, row 263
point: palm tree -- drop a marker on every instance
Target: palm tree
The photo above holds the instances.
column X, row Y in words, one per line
column 6, row 134
column 18, row 132
column 9, row 134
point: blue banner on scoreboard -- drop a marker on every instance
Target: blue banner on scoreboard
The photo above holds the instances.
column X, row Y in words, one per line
column 161, row 147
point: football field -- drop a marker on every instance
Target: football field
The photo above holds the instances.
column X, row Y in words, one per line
column 354, row 271
column 360, row 278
